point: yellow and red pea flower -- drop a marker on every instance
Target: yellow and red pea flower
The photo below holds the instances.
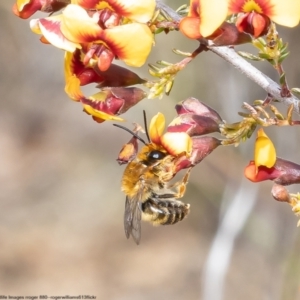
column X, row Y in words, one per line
column 115, row 76
column 110, row 101
column 184, row 133
column 197, row 119
column 264, row 150
column 174, row 142
column 206, row 17
column 75, row 28
column 286, row 13
column 113, row 99
column 262, row 168
column 266, row 166
column 92, row 37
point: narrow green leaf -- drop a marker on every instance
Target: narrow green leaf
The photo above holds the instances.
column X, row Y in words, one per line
column 249, row 56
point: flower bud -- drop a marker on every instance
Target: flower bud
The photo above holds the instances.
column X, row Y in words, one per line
column 228, row 34
column 193, row 105
column 117, row 76
column 202, row 147
column 193, row 125
column 280, row 193
column 111, row 102
column 130, row 96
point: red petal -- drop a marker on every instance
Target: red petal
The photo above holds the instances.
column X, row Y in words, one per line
column 27, row 10
column 263, row 173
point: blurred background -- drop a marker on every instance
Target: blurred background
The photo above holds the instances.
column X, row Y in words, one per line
column 61, row 208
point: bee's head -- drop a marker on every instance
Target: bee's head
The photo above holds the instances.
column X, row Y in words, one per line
column 151, row 153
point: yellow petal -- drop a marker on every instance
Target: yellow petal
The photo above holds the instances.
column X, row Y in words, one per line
column 68, row 65
column 156, row 128
column 264, row 152
column 99, row 114
column 212, row 14
column 131, row 42
column 35, row 26
column 78, row 27
column 72, row 88
column 177, row 142
column 92, row 4
column 22, row 3
column 286, row 13
column 140, row 11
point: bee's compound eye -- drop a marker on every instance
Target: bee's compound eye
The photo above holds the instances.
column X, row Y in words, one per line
column 156, row 155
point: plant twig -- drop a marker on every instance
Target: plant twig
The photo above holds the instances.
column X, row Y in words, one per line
column 270, row 86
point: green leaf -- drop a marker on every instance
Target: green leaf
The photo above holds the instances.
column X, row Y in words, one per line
column 158, row 30
column 283, row 56
column 249, row 56
column 264, row 56
column 282, row 79
column 296, row 90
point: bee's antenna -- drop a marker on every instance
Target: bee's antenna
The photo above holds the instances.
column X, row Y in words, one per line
column 130, row 131
column 145, row 125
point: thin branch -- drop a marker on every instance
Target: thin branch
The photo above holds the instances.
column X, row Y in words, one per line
column 255, row 75
column 172, row 13
column 228, row 54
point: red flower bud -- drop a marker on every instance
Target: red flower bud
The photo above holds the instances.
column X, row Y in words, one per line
column 280, row 193
column 111, row 102
column 228, row 34
column 193, row 125
column 130, row 96
column 202, row 147
column 193, row 105
column 117, row 76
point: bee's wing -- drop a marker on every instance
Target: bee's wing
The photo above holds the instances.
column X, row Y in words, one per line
column 132, row 219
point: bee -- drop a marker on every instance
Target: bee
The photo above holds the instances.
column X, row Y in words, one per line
column 149, row 194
